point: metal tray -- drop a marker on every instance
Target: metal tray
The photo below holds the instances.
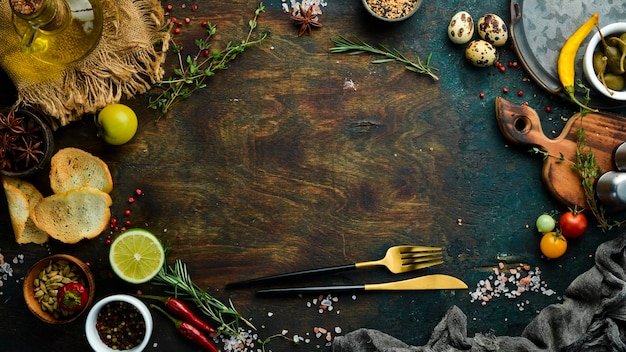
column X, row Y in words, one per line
column 539, row 28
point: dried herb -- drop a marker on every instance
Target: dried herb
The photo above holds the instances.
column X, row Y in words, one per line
column 193, row 70
column 344, row 45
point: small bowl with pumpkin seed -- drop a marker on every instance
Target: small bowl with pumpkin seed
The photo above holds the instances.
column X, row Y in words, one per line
column 59, row 288
column 604, row 61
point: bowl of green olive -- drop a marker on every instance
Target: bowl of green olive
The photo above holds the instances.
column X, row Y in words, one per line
column 604, row 61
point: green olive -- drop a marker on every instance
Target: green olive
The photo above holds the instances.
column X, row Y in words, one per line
column 614, row 56
column 613, row 81
column 598, row 64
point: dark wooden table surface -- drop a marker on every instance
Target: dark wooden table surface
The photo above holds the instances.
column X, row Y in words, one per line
column 278, row 165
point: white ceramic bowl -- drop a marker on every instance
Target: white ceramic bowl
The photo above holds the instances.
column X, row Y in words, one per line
column 90, row 324
column 387, row 19
column 613, row 28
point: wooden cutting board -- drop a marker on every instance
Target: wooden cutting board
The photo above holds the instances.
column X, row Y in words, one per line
column 604, row 131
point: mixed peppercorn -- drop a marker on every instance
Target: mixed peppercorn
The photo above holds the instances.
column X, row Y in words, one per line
column 120, row 325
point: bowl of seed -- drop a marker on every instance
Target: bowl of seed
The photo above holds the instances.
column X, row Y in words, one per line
column 392, row 10
column 59, row 288
column 119, row 323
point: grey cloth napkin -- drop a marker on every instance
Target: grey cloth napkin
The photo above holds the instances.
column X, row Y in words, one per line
column 592, row 317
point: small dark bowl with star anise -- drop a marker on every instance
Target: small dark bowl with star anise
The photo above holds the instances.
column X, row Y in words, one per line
column 26, row 143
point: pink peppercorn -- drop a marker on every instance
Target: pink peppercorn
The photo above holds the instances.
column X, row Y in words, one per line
column 169, row 7
column 194, row 7
column 127, row 212
column 203, row 23
column 505, row 90
column 138, row 191
column 520, row 93
column 548, row 109
column 481, row 95
column 131, row 200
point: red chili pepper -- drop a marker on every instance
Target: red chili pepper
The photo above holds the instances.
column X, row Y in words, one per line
column 190, row 332
column 73, row 296
column 182, row 311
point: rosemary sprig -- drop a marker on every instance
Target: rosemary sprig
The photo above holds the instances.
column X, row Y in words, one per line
column 193, row 70
column 183, row 285
column 588, row 170
column 344, row 45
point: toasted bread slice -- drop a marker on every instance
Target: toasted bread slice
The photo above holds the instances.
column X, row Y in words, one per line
column 72, row 168
column 81, row 213
column 22, row 197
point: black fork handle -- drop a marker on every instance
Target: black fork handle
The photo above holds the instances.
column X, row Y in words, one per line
column 291, row 275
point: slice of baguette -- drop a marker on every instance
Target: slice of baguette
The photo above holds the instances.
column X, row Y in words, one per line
column 72, row 168
column 81, row 213
column 22, row 197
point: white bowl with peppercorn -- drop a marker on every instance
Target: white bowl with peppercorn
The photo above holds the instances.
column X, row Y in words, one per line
column 608, row 71
column 119, row 323
column 392, row 10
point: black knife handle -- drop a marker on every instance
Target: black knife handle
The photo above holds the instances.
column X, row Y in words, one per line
column 292, row 275
column 319, row 289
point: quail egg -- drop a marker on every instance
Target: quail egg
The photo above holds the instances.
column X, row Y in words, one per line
column 461, row 28
column 481, row 53
column 493, row 29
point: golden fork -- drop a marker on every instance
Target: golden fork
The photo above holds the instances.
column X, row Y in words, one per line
column 398, row 259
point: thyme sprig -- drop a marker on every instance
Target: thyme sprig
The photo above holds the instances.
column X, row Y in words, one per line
column 179, row 279
column 344, row 45
column 192, row 71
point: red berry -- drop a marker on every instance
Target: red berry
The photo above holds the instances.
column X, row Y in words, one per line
column 169, row 7
column 203, row 23
column 183, row 6
column 108, row 241
column 194, row 7
column 205, row 52
column 510, row 64
column 179, row 23
column 187, row 20
column 131, row 200
column 138, row 191
column 481, row 95
column 173, row 20
column 127, row 223
column 501, row 68
column 127, row 212
column 176, row 30
column 505, row 90
column 520, row 93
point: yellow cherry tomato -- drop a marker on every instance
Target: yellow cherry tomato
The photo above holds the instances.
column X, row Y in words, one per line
column 553, row 245
column 117, row 123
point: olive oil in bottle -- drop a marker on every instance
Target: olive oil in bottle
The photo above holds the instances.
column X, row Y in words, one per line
column 58, row 31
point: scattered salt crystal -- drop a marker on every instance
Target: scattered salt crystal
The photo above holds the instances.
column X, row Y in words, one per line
column 284, row 332
column 337, row 330
column 270, row 314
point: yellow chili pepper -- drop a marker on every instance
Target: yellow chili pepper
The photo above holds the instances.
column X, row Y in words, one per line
column 567, row 58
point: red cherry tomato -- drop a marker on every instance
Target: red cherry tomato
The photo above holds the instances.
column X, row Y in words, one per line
column 573, row 224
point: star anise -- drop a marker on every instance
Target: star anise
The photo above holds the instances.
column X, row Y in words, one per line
column 306, row 20
column 12, row 123
column 29, row 152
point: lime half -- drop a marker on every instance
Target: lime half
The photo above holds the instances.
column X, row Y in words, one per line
column 136, row 256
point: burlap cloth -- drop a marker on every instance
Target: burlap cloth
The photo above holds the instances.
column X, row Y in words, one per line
column 592, row 317
column 126, row 62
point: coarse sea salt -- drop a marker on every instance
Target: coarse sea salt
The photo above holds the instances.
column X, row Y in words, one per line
column 519, row 280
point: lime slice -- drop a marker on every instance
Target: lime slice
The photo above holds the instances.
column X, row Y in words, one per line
column 136, row 256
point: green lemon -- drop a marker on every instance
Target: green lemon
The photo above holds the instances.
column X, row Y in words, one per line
column 136, row 256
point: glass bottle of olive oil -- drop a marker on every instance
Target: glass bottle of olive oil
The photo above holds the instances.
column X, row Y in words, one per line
column 58, row 31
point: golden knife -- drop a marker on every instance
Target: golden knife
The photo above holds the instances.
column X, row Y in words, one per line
column 427, row 282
